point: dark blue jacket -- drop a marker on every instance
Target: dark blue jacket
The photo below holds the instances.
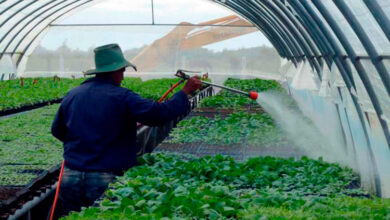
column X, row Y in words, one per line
column 97, row 123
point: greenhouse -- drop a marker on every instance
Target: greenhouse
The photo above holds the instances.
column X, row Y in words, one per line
column 287, row 117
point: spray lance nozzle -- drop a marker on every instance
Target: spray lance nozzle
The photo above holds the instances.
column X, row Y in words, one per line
column 182, row 74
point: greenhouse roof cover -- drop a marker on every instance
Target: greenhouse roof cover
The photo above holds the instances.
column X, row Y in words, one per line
column 345, row 43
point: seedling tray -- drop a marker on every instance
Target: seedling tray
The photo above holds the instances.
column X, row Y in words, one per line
column 28, row 107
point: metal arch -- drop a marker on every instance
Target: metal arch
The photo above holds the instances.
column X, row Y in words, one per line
column 301, row 16
column 11, row 6
column 262, row 26
column 323, row 49
column 36, row 36
column 274, row 32
column 314, row 27
column 24, row 18
column 357, row 63
column 368, row 45
column 345, row 72
column 338, row 56
column 276, row 11
column 363, row 76
column 340, row 62
column 263, row 17
column 344, row 68
column 250, row 17
column 275, row 23
column 277, row 42
column 307, row 50
column 17, row 11
column 43, row 19
column 32, row 19
column 328, row 51
column 294, row 32
column 380, row 16
column 11, row 29
column 308, row 39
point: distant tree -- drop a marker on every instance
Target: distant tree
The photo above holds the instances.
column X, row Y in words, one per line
column 256, row 59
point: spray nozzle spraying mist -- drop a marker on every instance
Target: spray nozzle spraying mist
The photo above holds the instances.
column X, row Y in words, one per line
column 253, row 95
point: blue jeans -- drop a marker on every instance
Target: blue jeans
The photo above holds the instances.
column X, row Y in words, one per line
column 81, row 189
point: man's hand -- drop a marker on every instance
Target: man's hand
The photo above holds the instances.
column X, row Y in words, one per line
column 192, row 85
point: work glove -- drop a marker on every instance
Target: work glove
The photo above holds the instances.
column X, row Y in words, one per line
column 192, row 85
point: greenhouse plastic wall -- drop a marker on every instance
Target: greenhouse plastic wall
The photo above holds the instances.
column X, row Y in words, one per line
column 335, row 117
column 338, row 55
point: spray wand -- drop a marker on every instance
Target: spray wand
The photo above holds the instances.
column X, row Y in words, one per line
column 182, row 74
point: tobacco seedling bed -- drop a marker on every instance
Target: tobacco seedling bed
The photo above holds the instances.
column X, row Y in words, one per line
column 236, row 128
column 26, row 143
column 186, row 187
column 38, row 90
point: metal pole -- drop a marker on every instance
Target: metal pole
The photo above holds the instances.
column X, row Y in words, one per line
column 152, row 2
column 227, row 88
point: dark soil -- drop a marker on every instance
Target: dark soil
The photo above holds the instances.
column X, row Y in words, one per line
column 13, row 198
column 32, row 171
column 8, row 112
column 8, row 192
column 238, row 152
column 190, row 148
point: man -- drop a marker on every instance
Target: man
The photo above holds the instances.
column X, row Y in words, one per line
column 97, row 122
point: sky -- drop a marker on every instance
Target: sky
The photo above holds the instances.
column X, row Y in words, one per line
column 140, row 12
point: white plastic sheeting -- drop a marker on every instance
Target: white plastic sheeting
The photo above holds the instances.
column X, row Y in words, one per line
column 333, row 114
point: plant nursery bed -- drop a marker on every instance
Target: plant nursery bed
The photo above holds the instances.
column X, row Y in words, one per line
column 16, row 198
column 28, row 107
column 201, row 149
column 39, row 92
column 238, row 152
column 179, row 186
column 190, row 148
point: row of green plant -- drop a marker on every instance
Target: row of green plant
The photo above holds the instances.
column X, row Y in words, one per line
column 173, row 186
column 237, row 128
column 26, row 142
column 226, row 99
column 21, row 174
column 151, row 89
column 14, row 95
column 253, row 129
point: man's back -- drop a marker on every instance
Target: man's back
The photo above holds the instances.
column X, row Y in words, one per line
column 97, row 122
